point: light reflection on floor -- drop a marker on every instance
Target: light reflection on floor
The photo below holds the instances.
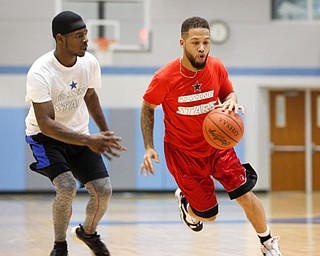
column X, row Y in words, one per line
column 149, row 225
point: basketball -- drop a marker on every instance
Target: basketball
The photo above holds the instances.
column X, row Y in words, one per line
column 222, row 129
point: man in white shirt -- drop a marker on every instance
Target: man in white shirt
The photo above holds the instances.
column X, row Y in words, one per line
column 61, row 89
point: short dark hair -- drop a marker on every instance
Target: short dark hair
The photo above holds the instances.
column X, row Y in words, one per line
column 194, row 22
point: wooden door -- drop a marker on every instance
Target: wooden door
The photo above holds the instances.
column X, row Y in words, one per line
column 287, row 127
column 315, row 113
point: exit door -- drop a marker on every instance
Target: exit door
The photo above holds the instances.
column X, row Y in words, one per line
column 289, row 144
column 315, row 113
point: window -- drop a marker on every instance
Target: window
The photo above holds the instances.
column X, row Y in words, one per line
column 316, row 9
column 296, row 10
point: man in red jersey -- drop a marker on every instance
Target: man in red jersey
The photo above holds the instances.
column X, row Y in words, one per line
column 188, row 88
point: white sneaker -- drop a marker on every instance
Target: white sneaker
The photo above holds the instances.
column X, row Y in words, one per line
column 192, row 223
column 271, row 247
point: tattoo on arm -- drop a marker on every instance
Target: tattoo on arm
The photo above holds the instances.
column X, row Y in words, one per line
column 147, row 123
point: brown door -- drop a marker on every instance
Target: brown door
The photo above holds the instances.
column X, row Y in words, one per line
column 315, row 109
column 287, row 121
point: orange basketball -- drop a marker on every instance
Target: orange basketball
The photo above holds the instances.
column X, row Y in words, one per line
column 222, row 129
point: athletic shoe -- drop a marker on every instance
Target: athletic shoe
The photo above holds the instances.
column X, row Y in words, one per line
column 94, row 242
column 59, row 249
column 271, row 247
column 191, row 222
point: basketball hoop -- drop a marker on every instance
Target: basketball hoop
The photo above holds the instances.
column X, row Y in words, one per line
column 105, row 43
column 104, row 48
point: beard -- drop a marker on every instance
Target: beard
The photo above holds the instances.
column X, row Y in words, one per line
column 196, row 65
column 74, row 52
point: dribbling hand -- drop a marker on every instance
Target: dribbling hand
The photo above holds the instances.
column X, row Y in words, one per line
column 231, row 106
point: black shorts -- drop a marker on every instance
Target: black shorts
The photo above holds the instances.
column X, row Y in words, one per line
column 54, row 157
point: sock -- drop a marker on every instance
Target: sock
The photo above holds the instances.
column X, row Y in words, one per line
column 264, row 236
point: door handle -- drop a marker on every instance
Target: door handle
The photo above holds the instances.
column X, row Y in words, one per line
column 287, row 148
column 315, row 148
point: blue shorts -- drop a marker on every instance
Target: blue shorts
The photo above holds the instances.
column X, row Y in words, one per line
column 54, row 157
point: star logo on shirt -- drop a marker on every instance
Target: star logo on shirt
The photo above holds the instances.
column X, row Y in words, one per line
column 73, row 85
column 197, row 86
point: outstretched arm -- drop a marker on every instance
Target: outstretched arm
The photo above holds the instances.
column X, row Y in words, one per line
column 147, row 124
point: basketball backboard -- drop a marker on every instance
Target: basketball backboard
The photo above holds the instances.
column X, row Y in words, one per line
column 124, row 23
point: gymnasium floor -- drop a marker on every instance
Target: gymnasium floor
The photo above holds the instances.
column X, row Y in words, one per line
column 149, row 225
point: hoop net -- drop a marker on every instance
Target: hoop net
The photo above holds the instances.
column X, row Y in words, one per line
column 104, row 48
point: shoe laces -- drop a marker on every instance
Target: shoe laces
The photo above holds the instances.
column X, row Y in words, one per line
column 192, row 220
column 272, row 242
column 189, row 218
column 272, row 246
column 94, row 237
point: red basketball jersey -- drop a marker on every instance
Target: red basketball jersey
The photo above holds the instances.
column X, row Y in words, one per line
column 186, row 101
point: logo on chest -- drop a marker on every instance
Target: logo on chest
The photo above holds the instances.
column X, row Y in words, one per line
column 73, row 85
column 197, row 87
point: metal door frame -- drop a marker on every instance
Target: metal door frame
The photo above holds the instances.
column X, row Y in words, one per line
column 308, row 140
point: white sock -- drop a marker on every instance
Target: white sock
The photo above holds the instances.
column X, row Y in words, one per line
column 264, row 234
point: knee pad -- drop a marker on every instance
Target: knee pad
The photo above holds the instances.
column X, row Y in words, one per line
column 206, row 214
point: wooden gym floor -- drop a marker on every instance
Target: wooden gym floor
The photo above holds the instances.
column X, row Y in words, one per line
column 149, row 225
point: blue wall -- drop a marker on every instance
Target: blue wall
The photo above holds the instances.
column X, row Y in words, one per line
column 14, row 166
column 12, row 149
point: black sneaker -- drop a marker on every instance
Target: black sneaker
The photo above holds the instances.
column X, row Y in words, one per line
column 59, row 249
column 192, row 223
column 94, row 242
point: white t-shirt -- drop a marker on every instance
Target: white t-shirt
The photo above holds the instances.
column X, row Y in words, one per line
column 49, row 80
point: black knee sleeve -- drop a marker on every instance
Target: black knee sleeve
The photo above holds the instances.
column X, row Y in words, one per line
column 251, row 181
column 206, row 214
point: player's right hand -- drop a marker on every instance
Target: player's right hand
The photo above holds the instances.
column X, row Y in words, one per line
column 147, row 165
